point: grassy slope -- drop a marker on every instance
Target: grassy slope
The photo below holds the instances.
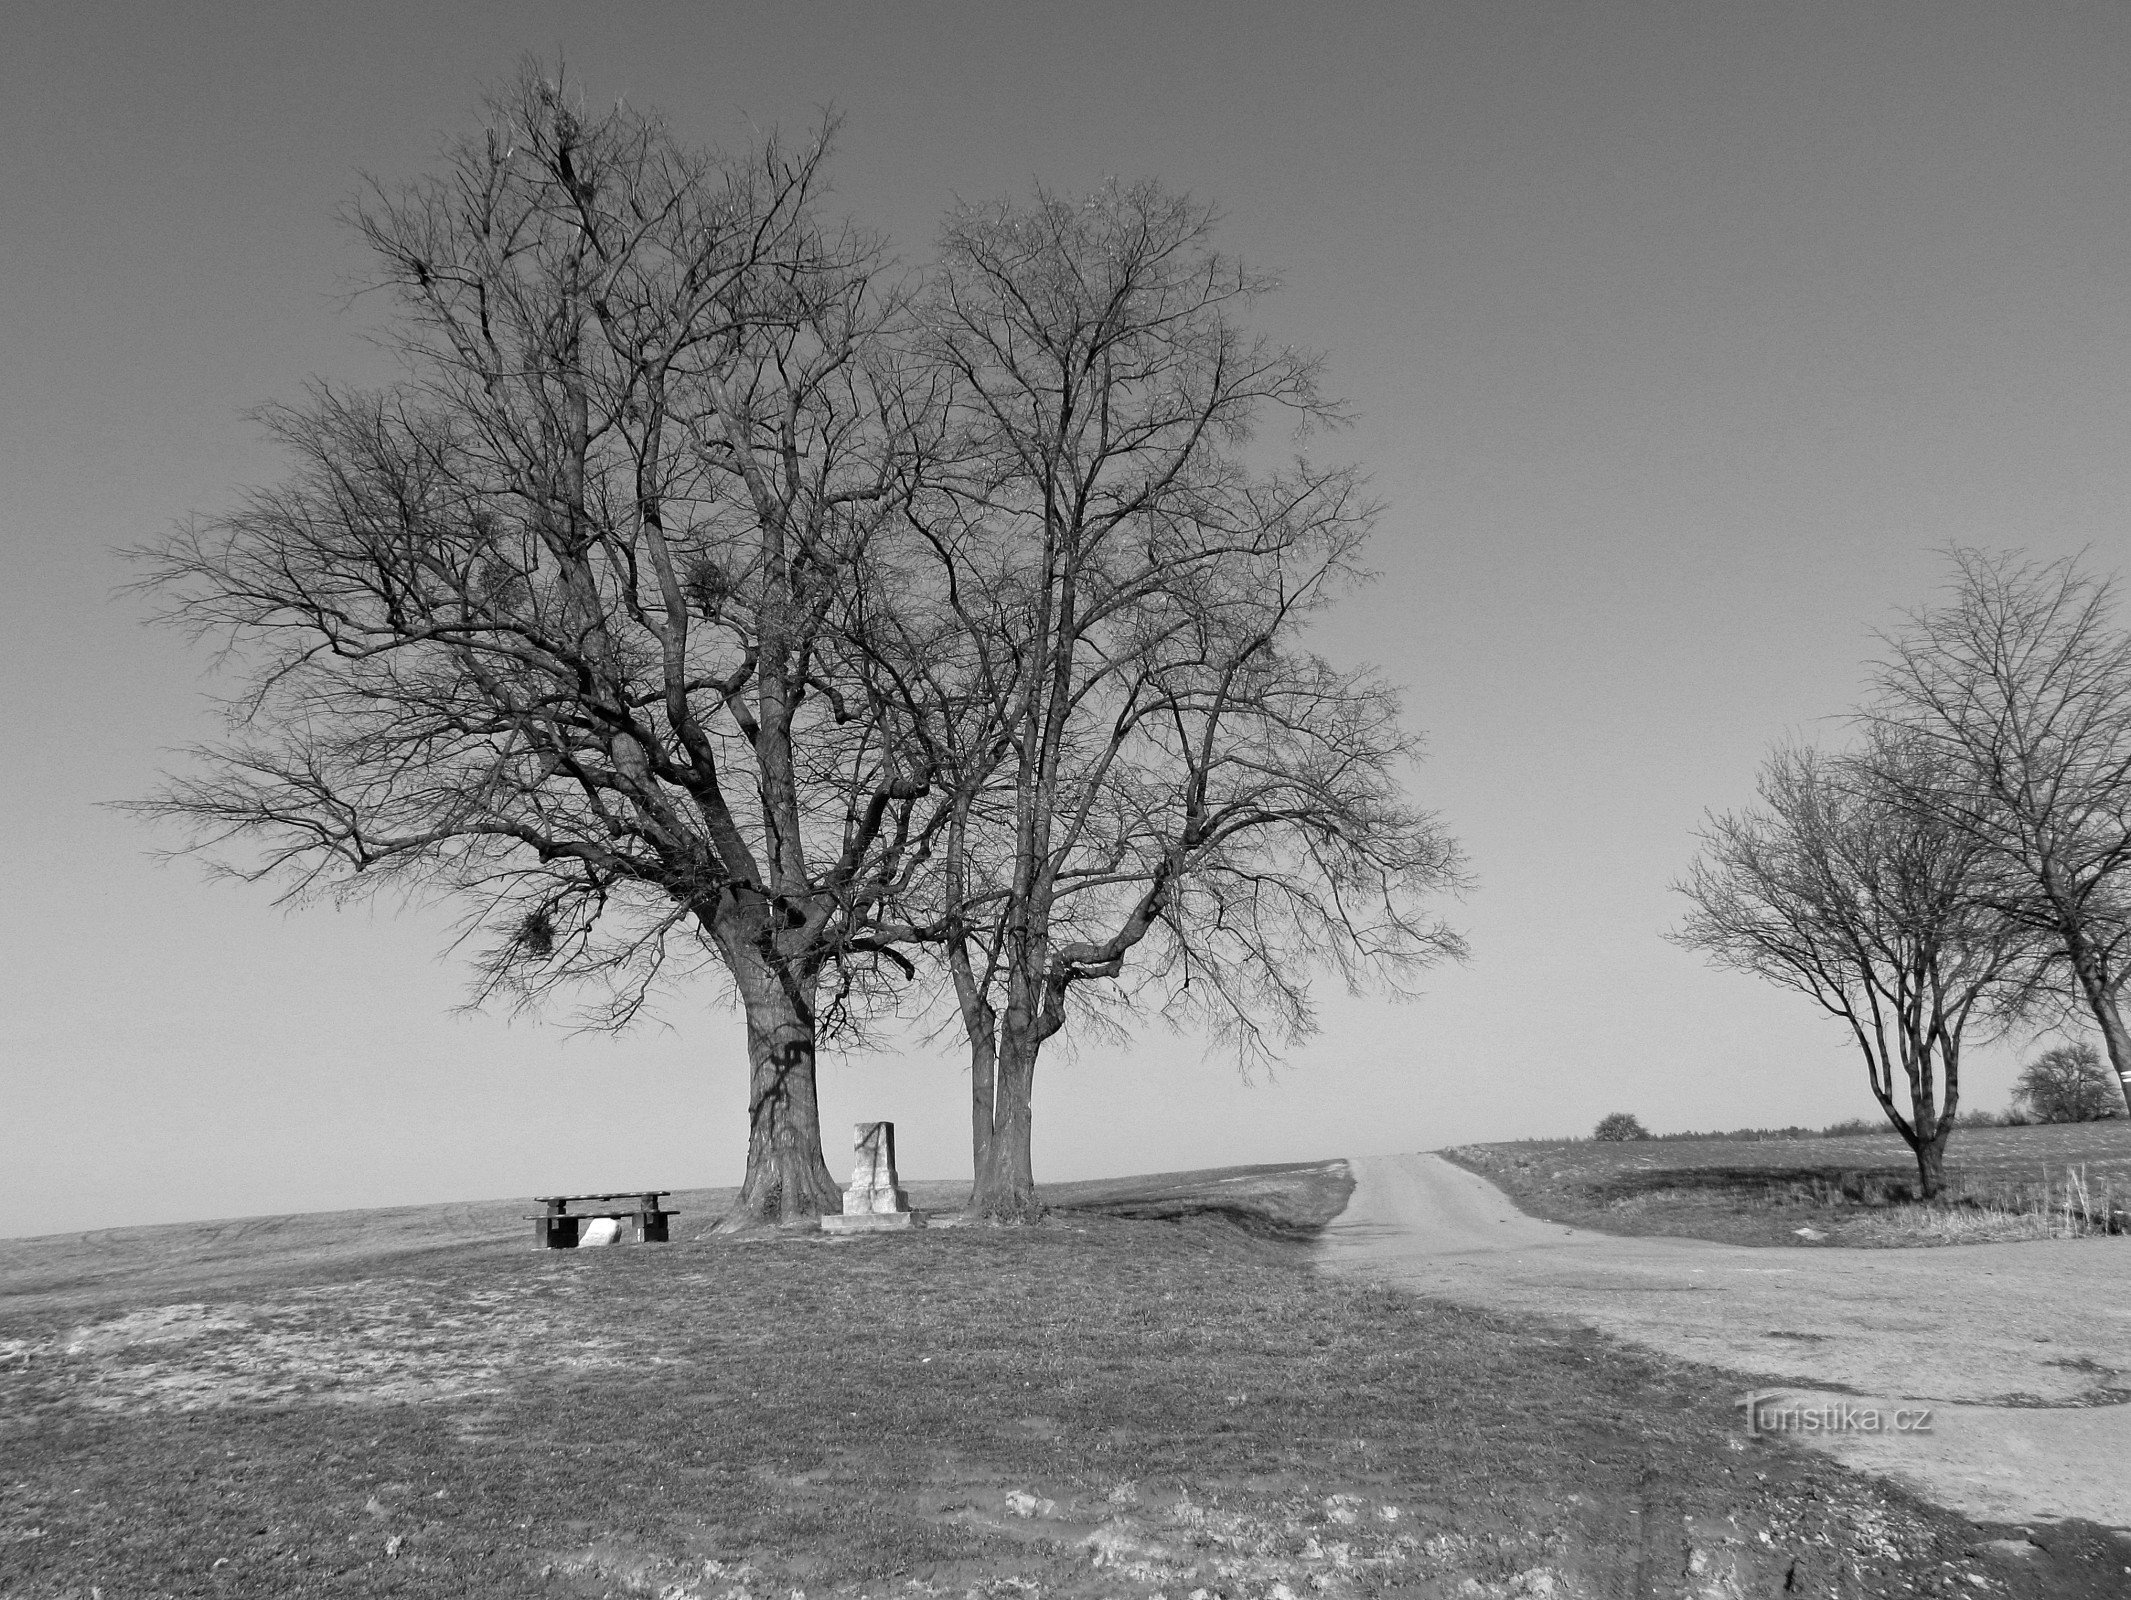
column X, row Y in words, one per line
column 83, row 1269
column 1287, row 1200
column 1179, row 1405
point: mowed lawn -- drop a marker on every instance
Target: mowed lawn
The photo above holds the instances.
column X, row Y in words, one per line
column 1760, row 1191
column 1094, row 1406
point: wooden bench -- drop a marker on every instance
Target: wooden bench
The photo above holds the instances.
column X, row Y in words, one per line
column 556, row 1227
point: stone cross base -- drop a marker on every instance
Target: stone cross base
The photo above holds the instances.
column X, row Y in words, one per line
column 875, row 1199
column 873, row 1222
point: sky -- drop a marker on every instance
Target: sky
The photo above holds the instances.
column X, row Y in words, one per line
column 1681, row 339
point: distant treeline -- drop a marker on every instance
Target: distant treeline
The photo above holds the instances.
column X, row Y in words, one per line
column 1853, row 1128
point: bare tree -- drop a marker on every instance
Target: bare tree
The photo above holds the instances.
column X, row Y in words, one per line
column 2068, row 1083
column 547, row 624
column 2023, row 680
column 1158, row 796
column 1837, row 887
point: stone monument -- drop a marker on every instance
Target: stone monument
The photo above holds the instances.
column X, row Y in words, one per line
column 875, row 1201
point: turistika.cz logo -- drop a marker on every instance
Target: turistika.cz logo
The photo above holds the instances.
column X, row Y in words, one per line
column 1774, row 1414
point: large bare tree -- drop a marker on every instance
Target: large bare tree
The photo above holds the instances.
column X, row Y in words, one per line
column 1158, row 795
column 2022, row 679
column 549, row 624
column 1836, row 886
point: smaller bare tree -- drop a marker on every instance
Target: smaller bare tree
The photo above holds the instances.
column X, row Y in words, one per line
column 2068, row 1083
column 1837, row 887
column 2022, row 679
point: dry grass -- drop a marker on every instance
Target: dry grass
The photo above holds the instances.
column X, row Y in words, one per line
column 2002, row 1183
column 1091, row 1407
column 2064, row 1205
column 1911, row 1224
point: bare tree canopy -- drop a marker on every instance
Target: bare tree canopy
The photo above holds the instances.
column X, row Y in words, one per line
column 2022, row 679
column 2068, row 1083
column 1838, row 887
column 702, row 598
column 1160, row 796
column 549, row 623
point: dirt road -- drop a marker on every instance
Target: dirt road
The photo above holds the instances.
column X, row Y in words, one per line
column 2021, row 1351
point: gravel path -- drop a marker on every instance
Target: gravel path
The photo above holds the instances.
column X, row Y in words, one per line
column 2022, row 1351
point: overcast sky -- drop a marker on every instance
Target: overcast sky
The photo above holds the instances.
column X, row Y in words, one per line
column 1681, row 337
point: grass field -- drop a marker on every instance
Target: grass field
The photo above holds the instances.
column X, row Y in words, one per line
column 2002, row 1183
column 1095, row 1406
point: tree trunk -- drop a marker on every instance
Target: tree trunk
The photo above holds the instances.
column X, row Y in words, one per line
column 983, row 1076
column 1005, row 1189
column 2101, row 998
column 787, row 1179
column 980, row 1026
column 2113, row 1037
column 1936, row 1126
column 1931, row 1161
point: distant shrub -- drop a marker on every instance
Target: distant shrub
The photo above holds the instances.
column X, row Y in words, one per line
column 1619, row 1128
column 1979, row 1118
column 2069, row 1083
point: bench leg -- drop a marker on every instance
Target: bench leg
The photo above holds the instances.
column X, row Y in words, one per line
column 651, row 1227
column 556, row 1233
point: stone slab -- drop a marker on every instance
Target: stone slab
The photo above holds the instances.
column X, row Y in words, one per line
column 873, row 1222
